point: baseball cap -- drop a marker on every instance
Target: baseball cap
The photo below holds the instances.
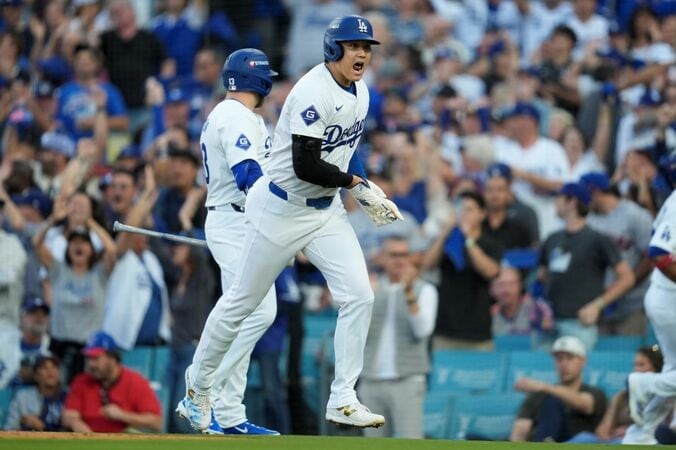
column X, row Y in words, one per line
column 34, row 303
column 496, row 48
column 98, row 344
column 11, row 3
column 130, row 151
column 35, row 198
column 524, row 109
column 577, row 190
column 569, row 344
column 41, row 360
column 44, row 88
column 596, row 180
column 58, row 142
column 499, row 170
column 177, row 95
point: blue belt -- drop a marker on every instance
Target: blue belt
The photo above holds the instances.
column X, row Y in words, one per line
column 316, row 203
column 235, row 206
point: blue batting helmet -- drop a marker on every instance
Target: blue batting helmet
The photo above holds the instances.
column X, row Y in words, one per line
column 347, row 28
column 248, row 70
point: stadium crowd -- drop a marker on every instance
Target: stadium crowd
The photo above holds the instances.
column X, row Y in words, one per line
column 521, row 139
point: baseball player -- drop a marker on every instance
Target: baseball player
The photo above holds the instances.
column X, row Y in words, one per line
column 296, row 206
column 652, row 395
column 233, row 138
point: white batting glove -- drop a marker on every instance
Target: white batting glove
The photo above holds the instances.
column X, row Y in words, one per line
column 373, row 201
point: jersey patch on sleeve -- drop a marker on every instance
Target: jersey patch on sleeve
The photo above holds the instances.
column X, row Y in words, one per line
column 243, row 142
column 310, row 115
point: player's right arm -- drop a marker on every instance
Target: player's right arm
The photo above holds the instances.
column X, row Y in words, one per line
column 309, row 166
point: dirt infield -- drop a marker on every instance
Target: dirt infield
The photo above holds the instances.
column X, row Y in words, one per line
column 97, row 436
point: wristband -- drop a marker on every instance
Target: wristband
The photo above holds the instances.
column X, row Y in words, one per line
column 470, row 242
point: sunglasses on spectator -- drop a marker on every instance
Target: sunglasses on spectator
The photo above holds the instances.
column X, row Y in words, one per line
column 398, row 254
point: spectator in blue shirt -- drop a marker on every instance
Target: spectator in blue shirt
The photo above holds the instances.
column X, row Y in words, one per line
column 77, row 102
column 180, row 29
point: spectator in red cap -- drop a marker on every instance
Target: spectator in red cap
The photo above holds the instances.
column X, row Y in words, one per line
column 108, row 397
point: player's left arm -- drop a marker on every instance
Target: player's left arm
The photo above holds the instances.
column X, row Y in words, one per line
column 662, row 250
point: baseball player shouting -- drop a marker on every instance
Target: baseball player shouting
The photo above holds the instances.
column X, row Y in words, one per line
column 233, row 138
column 652, row 395
column 296, row 206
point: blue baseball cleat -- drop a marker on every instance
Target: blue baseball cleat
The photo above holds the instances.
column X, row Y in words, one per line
column 247, row 428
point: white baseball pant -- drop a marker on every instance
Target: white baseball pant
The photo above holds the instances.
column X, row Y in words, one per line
column 276, row 231
column 225, row 231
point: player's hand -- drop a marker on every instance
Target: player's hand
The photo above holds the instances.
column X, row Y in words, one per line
column 525, row 384
column 113, row 412
column 589, row 314
column 373, row 201
column 33, row 422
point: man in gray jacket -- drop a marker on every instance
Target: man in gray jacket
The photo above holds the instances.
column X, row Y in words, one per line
column 396, row 356
column 39, row 408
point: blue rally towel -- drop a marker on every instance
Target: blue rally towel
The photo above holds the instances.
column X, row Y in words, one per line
column 454, row 247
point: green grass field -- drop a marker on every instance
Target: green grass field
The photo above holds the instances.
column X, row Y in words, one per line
column 166, row 442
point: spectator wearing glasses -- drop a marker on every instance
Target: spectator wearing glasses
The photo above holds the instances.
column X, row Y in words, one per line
column 110, row 398
column 396, row 358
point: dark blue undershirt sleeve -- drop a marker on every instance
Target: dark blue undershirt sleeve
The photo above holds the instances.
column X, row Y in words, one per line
column 246, row 173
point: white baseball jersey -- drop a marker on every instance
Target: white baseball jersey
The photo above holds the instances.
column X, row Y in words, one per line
column 664, row 237
column 231, row 134
column 318, row 107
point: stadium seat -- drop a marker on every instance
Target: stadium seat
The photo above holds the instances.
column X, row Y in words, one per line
column 465, row 371
column 163, row 394
column 5, row 398
column 160, row 363
column 139, row 359
column 650, row 338
column 485, row 417
column 437, row 409
column 538, row 365
column 618, row 343
column 511, row 342
column 609, row 370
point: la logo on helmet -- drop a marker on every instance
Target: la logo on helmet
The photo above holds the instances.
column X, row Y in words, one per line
column 362, row 26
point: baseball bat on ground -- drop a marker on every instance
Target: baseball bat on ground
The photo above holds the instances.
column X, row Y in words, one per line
column 117, row 226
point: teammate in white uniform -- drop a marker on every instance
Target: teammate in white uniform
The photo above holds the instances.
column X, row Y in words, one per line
column 297, row 207
column 233, row 140
column 652, row 395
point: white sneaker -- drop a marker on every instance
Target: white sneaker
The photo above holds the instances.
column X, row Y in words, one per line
column 356, row 415
column 639, row 395
column 636, row 435
column 195, row 407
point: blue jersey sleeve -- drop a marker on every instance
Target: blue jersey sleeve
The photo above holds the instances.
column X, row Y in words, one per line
column 356, row 166
column 246, row 173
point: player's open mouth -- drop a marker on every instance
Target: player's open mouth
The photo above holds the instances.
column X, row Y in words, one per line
column 358, row 67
